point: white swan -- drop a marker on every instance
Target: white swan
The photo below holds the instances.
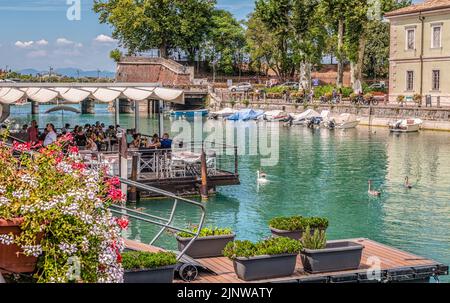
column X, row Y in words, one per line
column 262, row 177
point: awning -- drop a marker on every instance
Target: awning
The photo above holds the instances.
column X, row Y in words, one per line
column 76, row 92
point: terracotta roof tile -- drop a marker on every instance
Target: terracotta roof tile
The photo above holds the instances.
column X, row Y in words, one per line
column 428, row 5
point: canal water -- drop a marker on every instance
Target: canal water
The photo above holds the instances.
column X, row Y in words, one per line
column 321, row 173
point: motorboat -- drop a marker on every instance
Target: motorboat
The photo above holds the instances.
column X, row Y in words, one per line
column 189, row 113
column 301, row 119
column 346, row 121
column 222, row 114
column 406, row 125
column 276, row 116
column 246, row 115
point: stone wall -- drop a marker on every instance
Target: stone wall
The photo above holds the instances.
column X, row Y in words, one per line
column 153, row 70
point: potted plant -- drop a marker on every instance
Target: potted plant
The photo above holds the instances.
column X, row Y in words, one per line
column 210, row 242
column 271, row 258
column 54, row 215
column 319, row 255
column 294, row 227
column 148, row 267
column 418, row 99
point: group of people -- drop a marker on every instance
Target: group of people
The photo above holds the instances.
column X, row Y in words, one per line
column 94, row 137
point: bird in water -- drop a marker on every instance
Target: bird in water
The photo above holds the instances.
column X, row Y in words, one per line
column 407, row 184
column 262, row 177
column 371, row 192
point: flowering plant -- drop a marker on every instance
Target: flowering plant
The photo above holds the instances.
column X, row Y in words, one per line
column 64, row 209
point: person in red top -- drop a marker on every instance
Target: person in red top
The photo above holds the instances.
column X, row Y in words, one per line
column 32, row 132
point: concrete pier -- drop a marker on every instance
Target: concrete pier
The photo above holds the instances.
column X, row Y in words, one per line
column 87, row 107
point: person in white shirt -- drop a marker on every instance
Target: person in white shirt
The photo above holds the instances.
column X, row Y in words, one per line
column 51, row 135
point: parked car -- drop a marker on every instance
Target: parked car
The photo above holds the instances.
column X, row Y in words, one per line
column 241, row 87
column 292, row 85
column 378, row 85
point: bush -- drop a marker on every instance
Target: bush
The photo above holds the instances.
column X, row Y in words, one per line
column 328, row 89
column 146, row 260
column 246, row 102
column 272, row 246
column 207, row 232
column 298, row 223
column 400, row 99
column 318, row 240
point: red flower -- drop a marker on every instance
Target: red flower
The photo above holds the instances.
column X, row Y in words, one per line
column 22, row 146
column 123, row 223
column 73, row 150
column 113, row 182
column 116, row 194
column 78, row 166
column 119, row 257
column 66, row 138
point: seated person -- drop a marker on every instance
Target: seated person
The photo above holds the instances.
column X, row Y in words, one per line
column 136, row 143
column 166, row 143
column 91, row 143
column 155, row 142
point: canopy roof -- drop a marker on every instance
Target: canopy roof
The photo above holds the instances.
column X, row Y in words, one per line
column 76, row 92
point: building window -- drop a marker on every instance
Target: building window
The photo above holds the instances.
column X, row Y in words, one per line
column 410, row 39
column 436, row 34
column 409, row 80
column 436, row 80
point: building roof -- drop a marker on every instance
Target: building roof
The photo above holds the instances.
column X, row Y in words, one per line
column 428, row 5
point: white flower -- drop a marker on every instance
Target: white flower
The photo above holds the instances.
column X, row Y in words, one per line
column 4, row 201
column 29, row 180
column 2, row 190
column 32, row 250
column 20, row 194
column 67, row 248
column 6, row 239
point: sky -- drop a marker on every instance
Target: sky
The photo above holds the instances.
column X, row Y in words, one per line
column 38, row 34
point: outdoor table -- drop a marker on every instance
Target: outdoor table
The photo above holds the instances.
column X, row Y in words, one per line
column 190, row 159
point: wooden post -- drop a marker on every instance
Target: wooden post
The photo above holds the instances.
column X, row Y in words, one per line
column 133, row 195
column 204, row 186
column 136, row 116
column 123, row 160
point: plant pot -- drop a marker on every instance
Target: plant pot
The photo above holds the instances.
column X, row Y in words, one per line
column 205, row 247
column 337, row 256
column 10, row 260
column 156, row 275
column 295, row 234
column 265, row 267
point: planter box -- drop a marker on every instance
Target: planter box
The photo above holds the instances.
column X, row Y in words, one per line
column 337, row 256
column 265, row 267
column 9, row 259
column 157, row 275
column 296, row 234
column 205, row 247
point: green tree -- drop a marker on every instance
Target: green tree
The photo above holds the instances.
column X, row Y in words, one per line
column 224, row 48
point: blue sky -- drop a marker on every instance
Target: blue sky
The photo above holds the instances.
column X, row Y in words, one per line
column 37, row 34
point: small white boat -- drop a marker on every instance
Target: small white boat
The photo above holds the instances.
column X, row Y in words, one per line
column 222, row 114
column 301, row 119
column 406, row 126
column 276, row 116
column 346, row 121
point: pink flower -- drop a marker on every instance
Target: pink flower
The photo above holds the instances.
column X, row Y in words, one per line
column 73, row 150
column 123, row 222
column 113, row 182
column 22, row 146
column 116, row 195
column 66, row 138
column 78, row 166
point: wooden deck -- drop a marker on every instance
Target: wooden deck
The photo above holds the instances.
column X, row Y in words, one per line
column 396, row 265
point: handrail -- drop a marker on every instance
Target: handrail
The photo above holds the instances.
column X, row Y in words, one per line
column 167, row 224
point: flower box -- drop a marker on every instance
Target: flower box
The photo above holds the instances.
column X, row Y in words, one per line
column 205, row 247
column 336, row 256
column 265, row 267
column 157, row 275
column 295, row 234
column 11, row 258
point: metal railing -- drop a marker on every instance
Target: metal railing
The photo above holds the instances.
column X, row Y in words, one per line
column 164, row 223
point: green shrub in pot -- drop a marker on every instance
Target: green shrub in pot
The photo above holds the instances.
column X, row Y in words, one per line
column 133, row 260
column 270, row 247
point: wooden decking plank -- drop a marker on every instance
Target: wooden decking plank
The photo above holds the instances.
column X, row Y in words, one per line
column 135, row 245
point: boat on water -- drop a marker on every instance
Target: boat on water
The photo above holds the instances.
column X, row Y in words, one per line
column 276, row 116
column 222, row 114
column 189, row 113
column 406, row 125
column 302, row 118
column 346, row 121
column 246, row 115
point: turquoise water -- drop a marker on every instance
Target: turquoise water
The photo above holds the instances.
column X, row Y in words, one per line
column 325, row 173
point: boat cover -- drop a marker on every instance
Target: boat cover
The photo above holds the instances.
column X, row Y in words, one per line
column 245, row 115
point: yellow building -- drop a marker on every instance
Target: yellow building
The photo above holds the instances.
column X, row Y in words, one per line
column 420, row 51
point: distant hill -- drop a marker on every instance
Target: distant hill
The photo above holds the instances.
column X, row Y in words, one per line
column 69, row 72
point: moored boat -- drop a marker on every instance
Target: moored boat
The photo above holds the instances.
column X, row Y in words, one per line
column 346, row 121
column 189, row 113
column 222, row 114
column 276, row 116
column 301, row 119
column 406, row 126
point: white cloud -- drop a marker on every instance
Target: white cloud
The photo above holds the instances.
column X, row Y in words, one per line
column 67, row 42
column 42, row 42
column 104, row 39
column 37, row 54
column 24, row 44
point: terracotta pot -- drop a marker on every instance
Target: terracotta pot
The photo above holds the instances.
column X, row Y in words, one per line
column 11, row 258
